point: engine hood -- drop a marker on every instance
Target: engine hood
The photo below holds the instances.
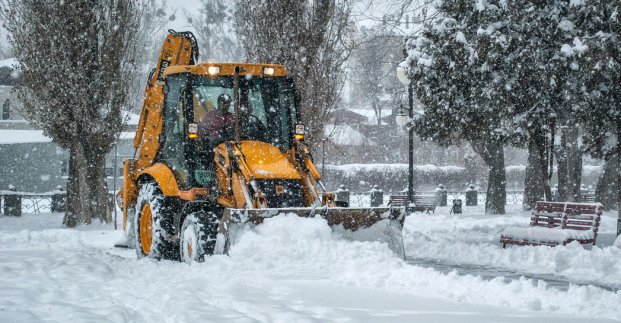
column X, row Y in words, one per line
column 267, row 162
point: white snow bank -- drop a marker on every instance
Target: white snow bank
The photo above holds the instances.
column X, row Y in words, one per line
column 355, row 169
column 473, row 239
column 547, row 234
column 288, row 269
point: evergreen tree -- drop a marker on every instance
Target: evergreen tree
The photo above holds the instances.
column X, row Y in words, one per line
column 602, row 119
column 454, row 70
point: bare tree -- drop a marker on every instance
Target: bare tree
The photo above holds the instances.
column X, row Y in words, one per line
column 310, row 39
column 373, row 64
column 78, row 59
column 214, row 25
column 154, row 16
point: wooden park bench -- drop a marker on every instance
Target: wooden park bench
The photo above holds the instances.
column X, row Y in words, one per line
column 422, row 203
column 557, row 223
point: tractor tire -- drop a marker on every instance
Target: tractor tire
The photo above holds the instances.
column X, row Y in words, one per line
column 153, row 224
column 198, row 236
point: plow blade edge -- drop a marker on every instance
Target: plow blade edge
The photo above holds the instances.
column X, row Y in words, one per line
column 360, row 224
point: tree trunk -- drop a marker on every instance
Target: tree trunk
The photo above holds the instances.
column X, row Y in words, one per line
column 606, row 191
column 533, row 184
column 618, row 176
column 493, row 154
column 87, row 196
column 72, row 215
column 541, row 143
column 563, row 168
column 574, row 165
column 496, row 190
column 98, row 187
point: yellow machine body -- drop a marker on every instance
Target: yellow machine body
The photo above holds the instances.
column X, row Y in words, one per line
column 240, row 165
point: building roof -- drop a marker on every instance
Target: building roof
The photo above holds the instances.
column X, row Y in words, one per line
column 10, row 136
column 344, row 135
column 346, row 116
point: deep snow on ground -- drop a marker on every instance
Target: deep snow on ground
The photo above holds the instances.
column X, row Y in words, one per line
column 294, row 269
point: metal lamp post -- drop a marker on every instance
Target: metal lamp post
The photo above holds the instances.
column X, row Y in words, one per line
column 403, row 120
column 323, row 157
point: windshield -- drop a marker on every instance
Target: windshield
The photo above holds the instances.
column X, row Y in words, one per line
column 267, row 109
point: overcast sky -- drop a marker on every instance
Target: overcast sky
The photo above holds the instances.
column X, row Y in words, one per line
column 180, row 23
column 365, row 12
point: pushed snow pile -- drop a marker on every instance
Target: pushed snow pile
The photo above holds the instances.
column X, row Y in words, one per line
column 302, row 244
column 547, row 234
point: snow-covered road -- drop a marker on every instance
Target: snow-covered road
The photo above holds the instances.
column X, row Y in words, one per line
column 292, row 269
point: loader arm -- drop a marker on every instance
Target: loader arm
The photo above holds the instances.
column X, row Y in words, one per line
column 178, row 49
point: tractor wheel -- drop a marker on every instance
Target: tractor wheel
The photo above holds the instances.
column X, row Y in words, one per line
column 153, row 226
column 198, row 236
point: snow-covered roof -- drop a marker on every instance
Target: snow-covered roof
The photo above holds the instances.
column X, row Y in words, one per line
column 10, row 62
column 133, row 118
column 345, row 135
column 37, row 136
column 22, row 136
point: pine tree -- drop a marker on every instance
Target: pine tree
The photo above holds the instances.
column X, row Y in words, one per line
column 602, row 119
column 458, row 80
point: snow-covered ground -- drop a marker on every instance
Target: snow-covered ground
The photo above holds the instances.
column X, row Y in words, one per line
column 293, row 269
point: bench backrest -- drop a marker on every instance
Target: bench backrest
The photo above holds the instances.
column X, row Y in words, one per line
column 398, row 200
column 424, row 199
column 567, row 215
column 401, row 200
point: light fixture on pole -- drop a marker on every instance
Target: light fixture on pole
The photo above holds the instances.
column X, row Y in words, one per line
column 403, row 120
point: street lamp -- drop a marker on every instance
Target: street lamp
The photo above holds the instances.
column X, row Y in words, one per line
column 402, row 120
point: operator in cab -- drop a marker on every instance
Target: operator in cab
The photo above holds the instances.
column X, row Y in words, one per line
column 218, row 125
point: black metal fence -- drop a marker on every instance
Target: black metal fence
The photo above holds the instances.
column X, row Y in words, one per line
column 15, row 203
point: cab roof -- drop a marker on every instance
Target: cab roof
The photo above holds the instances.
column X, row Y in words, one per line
column 208, row 69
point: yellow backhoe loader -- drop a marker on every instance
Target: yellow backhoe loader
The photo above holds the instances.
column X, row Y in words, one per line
column 219, row 147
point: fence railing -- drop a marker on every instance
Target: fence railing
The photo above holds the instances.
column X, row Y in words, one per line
column 55, row 201
column 15, row 203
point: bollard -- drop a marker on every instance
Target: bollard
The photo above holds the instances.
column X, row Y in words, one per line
column 12, row 203
column 59, row 200
column 441, row 196
column 377, row 196
column 471, row 196
column 456, row 208
column 342, row 196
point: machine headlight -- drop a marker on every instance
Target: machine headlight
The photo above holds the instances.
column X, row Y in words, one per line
column 269, row 70
column 299, row 131
column 193, row 130
column 213, row 70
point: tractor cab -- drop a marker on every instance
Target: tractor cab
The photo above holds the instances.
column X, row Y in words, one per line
column 208, row 105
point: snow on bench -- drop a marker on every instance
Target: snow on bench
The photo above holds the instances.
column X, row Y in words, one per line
column 554, row 223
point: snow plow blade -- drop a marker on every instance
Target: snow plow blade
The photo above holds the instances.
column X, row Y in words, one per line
column 360, row 224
